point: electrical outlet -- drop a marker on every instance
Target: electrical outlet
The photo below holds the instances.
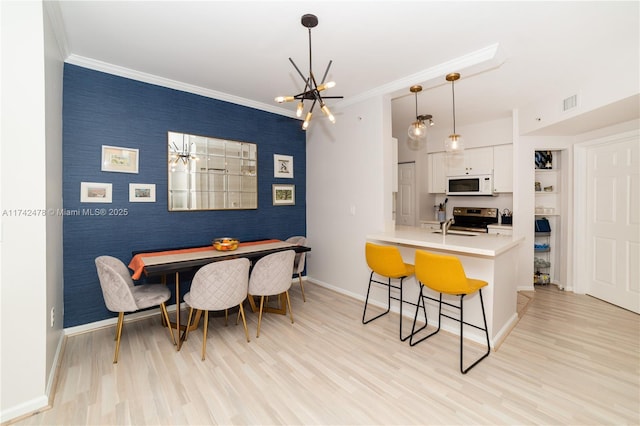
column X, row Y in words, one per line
column 53, row 316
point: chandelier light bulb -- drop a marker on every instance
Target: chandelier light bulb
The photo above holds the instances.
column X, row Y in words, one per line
column 328, row 85
column 307, row 119
column 299, row 110
column 281, row 99
column 326, row 111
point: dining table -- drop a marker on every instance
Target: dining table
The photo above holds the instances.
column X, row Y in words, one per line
column 164, row 262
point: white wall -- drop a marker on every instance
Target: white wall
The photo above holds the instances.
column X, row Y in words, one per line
column 615, row 82
column 54, row 72
column 31, row 243
column 348, row 192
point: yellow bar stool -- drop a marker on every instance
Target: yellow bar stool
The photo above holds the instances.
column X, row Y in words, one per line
column 445, row 274
column 387, row 262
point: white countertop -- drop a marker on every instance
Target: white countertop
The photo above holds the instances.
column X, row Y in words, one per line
column 481, row 244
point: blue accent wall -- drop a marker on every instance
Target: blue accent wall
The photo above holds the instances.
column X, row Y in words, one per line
column 104, row 109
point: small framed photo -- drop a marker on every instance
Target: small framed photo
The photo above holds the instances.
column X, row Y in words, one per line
column 284, row 195
column 122, row 160
column 95, row 192
column 142, row 192
column 282, row 166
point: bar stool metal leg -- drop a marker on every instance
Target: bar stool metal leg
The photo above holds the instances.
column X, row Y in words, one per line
column 415, row 318
column 366, row 302
column 387, row 262
column 486, row 332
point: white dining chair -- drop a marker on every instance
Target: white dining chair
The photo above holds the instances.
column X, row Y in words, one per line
column 218, row 286
column 271, row 275
column 121, row 295
column 299, row 261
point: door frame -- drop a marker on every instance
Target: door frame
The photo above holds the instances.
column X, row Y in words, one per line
column 580, row 204
column 413, row 191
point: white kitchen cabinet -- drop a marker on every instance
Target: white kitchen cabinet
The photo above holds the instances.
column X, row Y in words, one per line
column 503, row 168
column 470, row 161
column 437, row 173
column 500, row 229
column 431, row 225
column 498, row 159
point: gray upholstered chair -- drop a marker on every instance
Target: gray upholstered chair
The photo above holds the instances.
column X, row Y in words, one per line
column 298, row 263
column 271, row 275
column 121, row 295
column 218, row 286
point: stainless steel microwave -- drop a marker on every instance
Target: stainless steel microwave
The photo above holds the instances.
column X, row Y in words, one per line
column 481, row 184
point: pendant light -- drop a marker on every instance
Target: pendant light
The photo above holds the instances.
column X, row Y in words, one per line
column 311, row 88
column 418, row 129
column 453, row 144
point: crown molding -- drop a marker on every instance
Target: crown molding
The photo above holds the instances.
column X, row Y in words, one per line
column 173, row 84
column 52, row 11
column 472, row 63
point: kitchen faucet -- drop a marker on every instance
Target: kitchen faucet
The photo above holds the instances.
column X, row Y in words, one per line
column 446, row 225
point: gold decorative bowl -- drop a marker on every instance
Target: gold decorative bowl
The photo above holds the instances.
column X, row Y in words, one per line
column 225, row 244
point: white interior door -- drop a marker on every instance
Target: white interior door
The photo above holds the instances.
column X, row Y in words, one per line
column 406, row 205
column 612, row 218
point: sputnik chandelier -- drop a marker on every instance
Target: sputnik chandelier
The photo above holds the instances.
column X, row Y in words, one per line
column 311, row 88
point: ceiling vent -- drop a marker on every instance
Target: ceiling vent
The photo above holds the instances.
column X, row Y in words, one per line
column 569, row 103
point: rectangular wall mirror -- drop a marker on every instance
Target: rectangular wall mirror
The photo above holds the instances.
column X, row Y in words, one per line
column 207, row 173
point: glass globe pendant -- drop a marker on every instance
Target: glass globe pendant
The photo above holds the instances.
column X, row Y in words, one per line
column 417, row 131
column 454, row 143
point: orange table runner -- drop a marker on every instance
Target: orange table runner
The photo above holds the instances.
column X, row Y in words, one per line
column 137, row 265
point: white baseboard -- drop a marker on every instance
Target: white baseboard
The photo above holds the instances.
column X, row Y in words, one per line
column 36, row 405
column 26, row 408
column 135, row 316
column 504, row 332
column 525, row 288
column 53, row 374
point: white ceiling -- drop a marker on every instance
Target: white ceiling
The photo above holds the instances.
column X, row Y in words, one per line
column 522, row 51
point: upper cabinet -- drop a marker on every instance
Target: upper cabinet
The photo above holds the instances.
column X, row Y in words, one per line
column 498, row 159
column 503, row 168
column 470, row 162
column 437, row 173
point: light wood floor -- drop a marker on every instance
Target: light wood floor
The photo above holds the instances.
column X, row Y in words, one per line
column 571, row 359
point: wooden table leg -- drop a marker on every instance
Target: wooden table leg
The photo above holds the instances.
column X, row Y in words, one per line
column 177, row 325
column 178, row 309
column 252, row 303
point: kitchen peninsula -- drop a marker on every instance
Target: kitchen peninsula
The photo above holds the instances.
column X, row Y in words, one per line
column 489, row 257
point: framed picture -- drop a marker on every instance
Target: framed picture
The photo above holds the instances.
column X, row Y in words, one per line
column 142, row 192
column 284, row 195
column 282, row 166
column 123, row 160
column 94, row 192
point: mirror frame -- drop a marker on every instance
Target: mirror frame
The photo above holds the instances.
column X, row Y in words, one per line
column 207, row 173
